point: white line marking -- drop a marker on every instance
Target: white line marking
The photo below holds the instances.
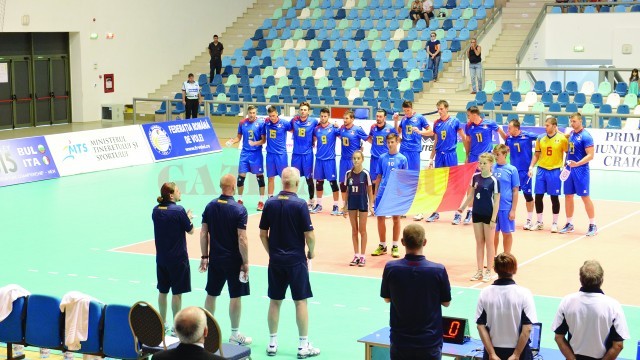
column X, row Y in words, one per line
column 364, row 308
column 340, row 305
column 314, row 302
column 134, row 281
column 32, row 270
column 112, row 279
column 53, row 273
column 93, row 277
column 72, row 275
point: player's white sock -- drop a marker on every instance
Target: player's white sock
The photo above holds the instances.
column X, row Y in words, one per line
column 273, row 339
column 304, row 341
column 262, row 198
column 555, row 218
column 239, row 197
column 234, row 332
column 539, row 217
column 395, row 243
column 592, row 221
column 570, row 220
column 335, row 203
column 530, row 215
column 319, row 201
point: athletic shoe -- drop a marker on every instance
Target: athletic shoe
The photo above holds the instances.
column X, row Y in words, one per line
column 240, row 339
column 395, row 252
column 403, row 216
column 554, row 228
column 467, row 218
column 380, row 250
column 528, row 225
column 486, row 277
column 477, row 276
column 362, row 262
column 457, row 218
column 593, row 230
column 310, row 206
column 336, row 211
column 418, row 217
column 567, row 229
column 307, row 351
column 272, row 350
column 170, row 331
column 316, row 209
column 240, row 202
column 355, row 261
column 538, row 226
column 260, row 206
column 435, row 216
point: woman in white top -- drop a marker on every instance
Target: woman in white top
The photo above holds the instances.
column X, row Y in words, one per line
column 505, row 313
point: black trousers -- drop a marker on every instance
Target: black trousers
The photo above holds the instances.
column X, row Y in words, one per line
column 215, row 66
column 191, row 108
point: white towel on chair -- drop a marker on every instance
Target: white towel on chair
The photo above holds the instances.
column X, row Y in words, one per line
column 76, row 323
column 9, row 294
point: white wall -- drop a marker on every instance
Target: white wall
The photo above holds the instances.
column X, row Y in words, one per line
column 153, row 39
column 601, row 36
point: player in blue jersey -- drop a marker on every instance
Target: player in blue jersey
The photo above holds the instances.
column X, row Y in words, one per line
column 325, row 135
column 275, row 135
column 387, row 162
column 251, row 160
column 358, row 202
column 378, row 139
column 302, row 158
column 485, row 194
column 509, row 180
column 520, row 145
column 479, row 133
column 580, row 153
column 351, row 137
column 443, row 154
column 412, row 128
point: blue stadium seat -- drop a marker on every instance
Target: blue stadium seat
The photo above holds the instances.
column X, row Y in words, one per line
column 547, row 98
column 507, row 86
column 563, row 98
column 580, row 99
column 571, row 88
column 515, row 97
column 596, row 99
column 556, row 87
column 621, row 89
column 481, row 97
column 540, row 87
column 497, row 98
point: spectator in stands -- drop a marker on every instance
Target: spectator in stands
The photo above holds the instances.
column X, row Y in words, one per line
column 285, row 232
column 427, row 11
column 475, row 65
column 596, row 322
column 633, row 82
column 416, row 11
column 433, row 49
column 191, row 328
column 170, row 222
column 564, row 8
column 215, row 51
column 508, row 311
column 416, row 289
column 191, row 97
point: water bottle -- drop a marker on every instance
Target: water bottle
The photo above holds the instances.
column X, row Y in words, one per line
column 18, row 350
column 244, row 278
column 44, row 353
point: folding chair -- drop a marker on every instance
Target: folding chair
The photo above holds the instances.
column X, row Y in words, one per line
column 147, row 328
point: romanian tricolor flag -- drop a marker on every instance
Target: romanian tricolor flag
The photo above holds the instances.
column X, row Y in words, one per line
column 425, row 191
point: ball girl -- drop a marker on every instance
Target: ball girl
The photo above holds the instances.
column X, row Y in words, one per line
column 357, row 204
column 486, row 199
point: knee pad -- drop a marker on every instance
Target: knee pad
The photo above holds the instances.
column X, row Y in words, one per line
column 319, row 185
column 555, row 204
column 343, row 188
column 334, row 185
column 260, row 179
column 528, row 197
column 240, row 181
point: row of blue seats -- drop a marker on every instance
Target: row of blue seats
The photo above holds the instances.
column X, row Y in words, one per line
column 592, row 9
column 547, row 98
column 555, row 88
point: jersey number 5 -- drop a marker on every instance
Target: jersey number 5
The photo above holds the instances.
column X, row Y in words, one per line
column 272, row 134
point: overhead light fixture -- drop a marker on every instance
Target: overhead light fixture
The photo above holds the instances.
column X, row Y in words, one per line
column 578, row 48
column 110, row 35
column 93, row 36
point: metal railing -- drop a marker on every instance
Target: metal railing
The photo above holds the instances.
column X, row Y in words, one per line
column 609, row 71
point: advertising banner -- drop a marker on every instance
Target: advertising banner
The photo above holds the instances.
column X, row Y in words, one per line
column 96, row 150
column 25, row 160
column 181, row 138
column 616, row 149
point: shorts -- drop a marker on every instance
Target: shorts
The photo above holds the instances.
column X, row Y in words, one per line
column 446, row 159
column 410, row 353
column 218, row 275
column 373, row 168
column 345, row 165
column 413, row 159
column 578, row 182
column 548, row 181
column 176, row 277
column 525, row 181
column 480, row 218
column 275, row 164
column 251, row 161
column 325, row 170
column 503, row 224
column 304, row 163
column 294, row 276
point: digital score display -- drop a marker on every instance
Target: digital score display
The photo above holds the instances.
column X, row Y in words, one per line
column 455, row 330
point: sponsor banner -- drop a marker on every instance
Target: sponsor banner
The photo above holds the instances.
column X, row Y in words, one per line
column 25, row 160
column 615, row 149
column 96, row 150
column 181, row 138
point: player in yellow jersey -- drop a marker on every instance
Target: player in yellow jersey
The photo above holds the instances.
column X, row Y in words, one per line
column 550, row 150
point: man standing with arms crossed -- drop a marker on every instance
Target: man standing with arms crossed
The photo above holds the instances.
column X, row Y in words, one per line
column 191, row 97
column 215, row 64
column 170, row 222
column 285, row 229
column 550, row 149
column 225, row 254
column 578, row 157
column 302, row 158
column 251, row 160
column 416, row 290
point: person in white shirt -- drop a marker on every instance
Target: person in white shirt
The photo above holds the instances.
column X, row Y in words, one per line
column 505, row 314
column 191, row 97
column 595, row 321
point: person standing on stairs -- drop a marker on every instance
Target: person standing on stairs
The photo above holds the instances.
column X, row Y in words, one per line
column 475, row 65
